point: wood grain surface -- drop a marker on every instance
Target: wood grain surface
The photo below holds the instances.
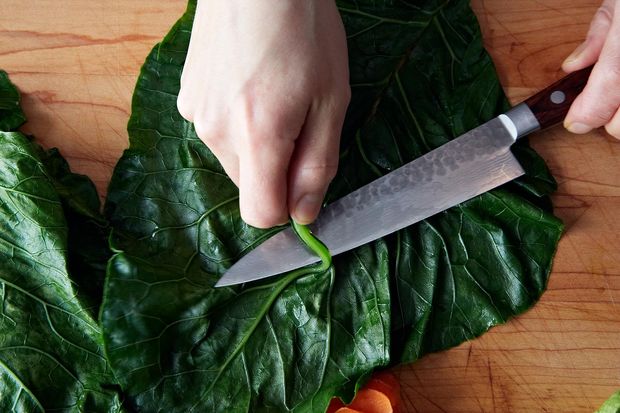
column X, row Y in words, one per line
column 76, row 63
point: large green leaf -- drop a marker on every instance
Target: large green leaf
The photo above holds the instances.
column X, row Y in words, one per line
column 51, row 349
column 87, row 250
column 11, row 115
column 471, row 267
column 419, row 77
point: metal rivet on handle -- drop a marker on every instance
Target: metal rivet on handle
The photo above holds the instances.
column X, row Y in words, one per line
column 558, row 97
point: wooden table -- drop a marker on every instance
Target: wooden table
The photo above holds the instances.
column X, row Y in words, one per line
column 76, row 62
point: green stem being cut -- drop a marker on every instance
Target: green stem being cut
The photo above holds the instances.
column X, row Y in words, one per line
column 314, row 244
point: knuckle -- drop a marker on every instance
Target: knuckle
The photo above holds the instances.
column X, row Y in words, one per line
column 185, row 108
column 268, row 131
column 336, row 102
column 611, row 76
column 330, row 172
column 199, row 128
column 204, row 131
column 320, row 174
column 605, row 13
column 338, row 96
column 257, row 139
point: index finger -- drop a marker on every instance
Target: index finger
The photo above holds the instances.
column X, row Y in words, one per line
column 264, row 156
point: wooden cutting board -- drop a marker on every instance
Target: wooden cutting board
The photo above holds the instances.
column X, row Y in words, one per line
column 76, row 62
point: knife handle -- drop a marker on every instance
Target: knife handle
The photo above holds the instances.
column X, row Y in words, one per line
column 551, row 105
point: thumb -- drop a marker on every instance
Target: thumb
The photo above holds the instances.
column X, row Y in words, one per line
column 589, row 51
column 315, row 161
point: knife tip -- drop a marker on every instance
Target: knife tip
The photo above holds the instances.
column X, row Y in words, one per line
column 223, row 283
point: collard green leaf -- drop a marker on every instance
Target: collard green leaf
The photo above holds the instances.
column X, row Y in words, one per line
column 51, row 350
column 611, row 405
column 87, row 250
column 11, row 115
column 178, row 343
column 419, row 77
column 471, row 267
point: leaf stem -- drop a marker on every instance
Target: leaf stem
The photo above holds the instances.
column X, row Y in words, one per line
column 314, row 244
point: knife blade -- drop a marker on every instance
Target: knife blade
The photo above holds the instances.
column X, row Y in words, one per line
column 457, row 171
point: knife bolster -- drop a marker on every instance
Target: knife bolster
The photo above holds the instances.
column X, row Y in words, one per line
column 523, row 119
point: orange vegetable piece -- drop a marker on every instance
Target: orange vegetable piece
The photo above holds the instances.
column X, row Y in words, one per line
column 371, row 401
column 386, row 383
column 381, row 394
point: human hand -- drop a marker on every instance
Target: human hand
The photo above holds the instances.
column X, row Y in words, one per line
column 266, row 84
column 599, row 103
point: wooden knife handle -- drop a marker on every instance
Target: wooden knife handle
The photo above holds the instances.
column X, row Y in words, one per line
column 551, row 105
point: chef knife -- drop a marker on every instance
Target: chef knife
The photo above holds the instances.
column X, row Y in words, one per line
column 461, row 169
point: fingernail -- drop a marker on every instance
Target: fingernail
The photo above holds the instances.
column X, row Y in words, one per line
column 307, row 208
column 576, row 53
column 578, row 128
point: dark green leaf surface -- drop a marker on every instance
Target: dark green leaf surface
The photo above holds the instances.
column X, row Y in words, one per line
column 419, row 77
column 11, row 115
column 88, row 251
column 469, row 268
column 51, row 350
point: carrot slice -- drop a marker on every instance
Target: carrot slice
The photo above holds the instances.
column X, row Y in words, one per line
column 381, row 394
column 386, row 383
column 371, row 401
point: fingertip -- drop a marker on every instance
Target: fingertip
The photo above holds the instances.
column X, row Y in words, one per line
column 577, row 127
column 574, row 61
column 307, row 187
column 306, row 208
column 184, row 108
column 586, row 54
column 260, row 218
column 576, row 120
